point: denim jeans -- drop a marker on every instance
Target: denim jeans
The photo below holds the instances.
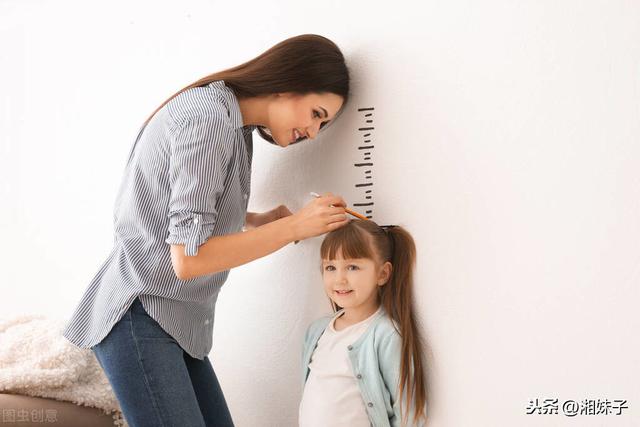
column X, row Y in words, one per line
column 156, row 382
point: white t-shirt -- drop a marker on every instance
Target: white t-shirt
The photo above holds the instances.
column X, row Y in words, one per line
column 331, row 396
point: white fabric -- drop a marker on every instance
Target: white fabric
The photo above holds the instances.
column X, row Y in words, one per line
column 36, row 360
column 331, row 396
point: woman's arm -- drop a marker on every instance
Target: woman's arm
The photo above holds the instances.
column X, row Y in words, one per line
column 254, row 219
column 221, row 253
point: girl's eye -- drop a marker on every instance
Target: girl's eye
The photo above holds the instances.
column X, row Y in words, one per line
column 353, row 267
column 329, row 268
column 316, row 114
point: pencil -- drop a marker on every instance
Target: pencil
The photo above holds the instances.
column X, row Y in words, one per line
column 349, row 211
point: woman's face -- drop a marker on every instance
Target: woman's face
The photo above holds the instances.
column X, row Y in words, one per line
column 293, row 117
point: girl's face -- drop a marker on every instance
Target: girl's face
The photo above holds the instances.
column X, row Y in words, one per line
column 353, row 283
column 293, row 117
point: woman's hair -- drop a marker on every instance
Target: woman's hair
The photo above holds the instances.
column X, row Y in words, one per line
column 366, row 239
column 303, row 64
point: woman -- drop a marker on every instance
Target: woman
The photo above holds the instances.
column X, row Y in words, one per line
column 148, row 313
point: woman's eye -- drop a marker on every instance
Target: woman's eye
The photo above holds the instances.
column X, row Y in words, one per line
column 316, row 114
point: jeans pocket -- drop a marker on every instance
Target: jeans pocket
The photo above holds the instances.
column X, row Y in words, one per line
column 146, row 327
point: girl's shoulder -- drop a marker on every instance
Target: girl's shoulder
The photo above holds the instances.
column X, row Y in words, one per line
column 383, row 329
column 319, row 325
column 385, row 325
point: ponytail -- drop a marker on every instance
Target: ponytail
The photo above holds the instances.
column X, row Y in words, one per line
column 397, row 299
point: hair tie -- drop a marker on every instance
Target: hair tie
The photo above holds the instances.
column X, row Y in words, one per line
column 392, row 244
column 387, row 227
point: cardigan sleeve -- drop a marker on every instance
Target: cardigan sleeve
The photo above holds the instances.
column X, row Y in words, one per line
column 389, row 354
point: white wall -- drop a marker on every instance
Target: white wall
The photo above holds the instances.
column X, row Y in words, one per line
column 506, row 141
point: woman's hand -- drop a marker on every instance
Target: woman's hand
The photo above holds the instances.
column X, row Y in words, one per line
column 257, row 219
column 321, row 215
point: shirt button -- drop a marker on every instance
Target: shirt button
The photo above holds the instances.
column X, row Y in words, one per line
column 195, row 220
column 370, row 405
column 245, row 196
column 350, row 347
column 206, row 322
column 359, row 376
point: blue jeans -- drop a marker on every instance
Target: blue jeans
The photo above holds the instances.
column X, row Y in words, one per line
column 156, row 382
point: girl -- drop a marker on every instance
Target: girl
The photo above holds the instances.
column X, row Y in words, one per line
column 363, row 366
column 148, row 313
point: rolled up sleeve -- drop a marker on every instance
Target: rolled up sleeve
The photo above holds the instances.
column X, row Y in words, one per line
column 199, row 160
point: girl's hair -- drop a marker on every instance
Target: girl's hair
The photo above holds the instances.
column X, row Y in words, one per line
column 366, row 239
column 303, row 64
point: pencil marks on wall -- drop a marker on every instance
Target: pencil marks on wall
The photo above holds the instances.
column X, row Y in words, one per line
column 365, row 162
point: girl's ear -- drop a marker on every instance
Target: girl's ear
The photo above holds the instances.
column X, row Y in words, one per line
column 385, row 273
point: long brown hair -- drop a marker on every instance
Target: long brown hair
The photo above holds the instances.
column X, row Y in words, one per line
column 366, row 239
column 303, row 64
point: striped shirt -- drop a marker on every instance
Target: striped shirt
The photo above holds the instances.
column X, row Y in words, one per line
column 187, row 179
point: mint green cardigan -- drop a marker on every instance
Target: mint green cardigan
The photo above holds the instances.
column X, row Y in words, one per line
column 375, row 359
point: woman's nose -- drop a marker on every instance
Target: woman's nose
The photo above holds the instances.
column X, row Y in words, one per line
column 313, row 130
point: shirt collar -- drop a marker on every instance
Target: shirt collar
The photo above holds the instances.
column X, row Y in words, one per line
column 235, row 115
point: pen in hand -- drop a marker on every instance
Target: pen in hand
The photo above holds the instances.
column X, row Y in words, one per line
column 349, row 211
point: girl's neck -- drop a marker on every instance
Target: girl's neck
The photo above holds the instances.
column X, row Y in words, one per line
column 351, row 316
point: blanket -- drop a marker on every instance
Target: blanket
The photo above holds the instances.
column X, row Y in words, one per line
column 36, row 360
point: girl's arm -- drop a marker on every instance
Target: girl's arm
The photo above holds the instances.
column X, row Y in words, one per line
column 221, row 253
column 389, row 352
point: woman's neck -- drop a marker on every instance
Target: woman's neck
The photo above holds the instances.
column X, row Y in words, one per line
column 254, row 110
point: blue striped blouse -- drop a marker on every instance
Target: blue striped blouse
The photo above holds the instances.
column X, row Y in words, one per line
column 187, row 179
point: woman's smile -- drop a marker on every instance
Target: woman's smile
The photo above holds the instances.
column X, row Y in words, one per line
column 296, row 135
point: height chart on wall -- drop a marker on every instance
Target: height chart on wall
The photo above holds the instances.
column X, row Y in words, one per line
column 364, row 186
